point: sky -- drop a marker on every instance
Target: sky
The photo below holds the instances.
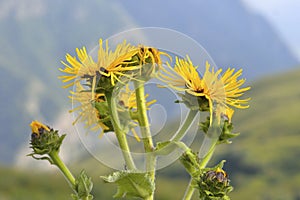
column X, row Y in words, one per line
column 284, row 15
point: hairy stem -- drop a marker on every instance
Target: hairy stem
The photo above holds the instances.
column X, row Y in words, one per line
column 187, row 123
column 189, row 191
column 212, row 138
column 120, row 134
column 63, row 168
column 145, row 129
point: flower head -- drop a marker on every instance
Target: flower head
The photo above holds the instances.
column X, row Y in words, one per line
column 93, row 108
column 76, row 69
column 220, row 91
column 87, row 109
column 110, row 64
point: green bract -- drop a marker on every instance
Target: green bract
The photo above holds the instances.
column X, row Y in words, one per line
column 45, row 143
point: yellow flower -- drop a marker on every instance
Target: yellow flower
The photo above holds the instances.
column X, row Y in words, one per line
column 226, row 113
column 84, row 66
column 185, row 78
column 127, row 102
column 225, row 91
column 151, row 55
column 111, row 64
column 98, row 119
column 87, row 113
column 37, row 126
column 127, row 99
column 221, row 91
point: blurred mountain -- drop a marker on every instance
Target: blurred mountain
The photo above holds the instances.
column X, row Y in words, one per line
column 36, row 34
column 232, row 34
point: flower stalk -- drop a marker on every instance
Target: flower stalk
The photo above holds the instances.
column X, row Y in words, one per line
column 212, row 137
column 62, row 167
column 190, row 188
column 186, row 124
column 120, row 134
column 145, row 130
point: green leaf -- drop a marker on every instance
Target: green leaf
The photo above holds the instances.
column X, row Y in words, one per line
column 83, row 187
column 131, row 184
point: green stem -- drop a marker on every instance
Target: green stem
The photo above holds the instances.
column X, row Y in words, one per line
column 63, row 168
column 188, row 121
column 145, row 129
column 120, row 134
column 149, row 198
column 177, row 137
column 208, row 156
column 142, row 116
column 190, row 189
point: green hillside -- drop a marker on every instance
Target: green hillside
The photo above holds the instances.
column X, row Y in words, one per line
column 263, row 162
column 264, row 159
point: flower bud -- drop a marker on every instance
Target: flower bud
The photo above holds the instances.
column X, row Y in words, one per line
column 44, row 140
column 214, row 184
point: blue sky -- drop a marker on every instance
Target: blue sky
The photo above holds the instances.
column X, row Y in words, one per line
column 284, row 16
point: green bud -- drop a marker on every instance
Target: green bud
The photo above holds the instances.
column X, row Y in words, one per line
column 44, row 140
column 213, row 183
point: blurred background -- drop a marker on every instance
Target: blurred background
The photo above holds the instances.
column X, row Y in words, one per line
column 262, row 37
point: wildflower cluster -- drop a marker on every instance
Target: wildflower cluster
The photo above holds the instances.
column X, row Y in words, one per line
column 110, row 96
